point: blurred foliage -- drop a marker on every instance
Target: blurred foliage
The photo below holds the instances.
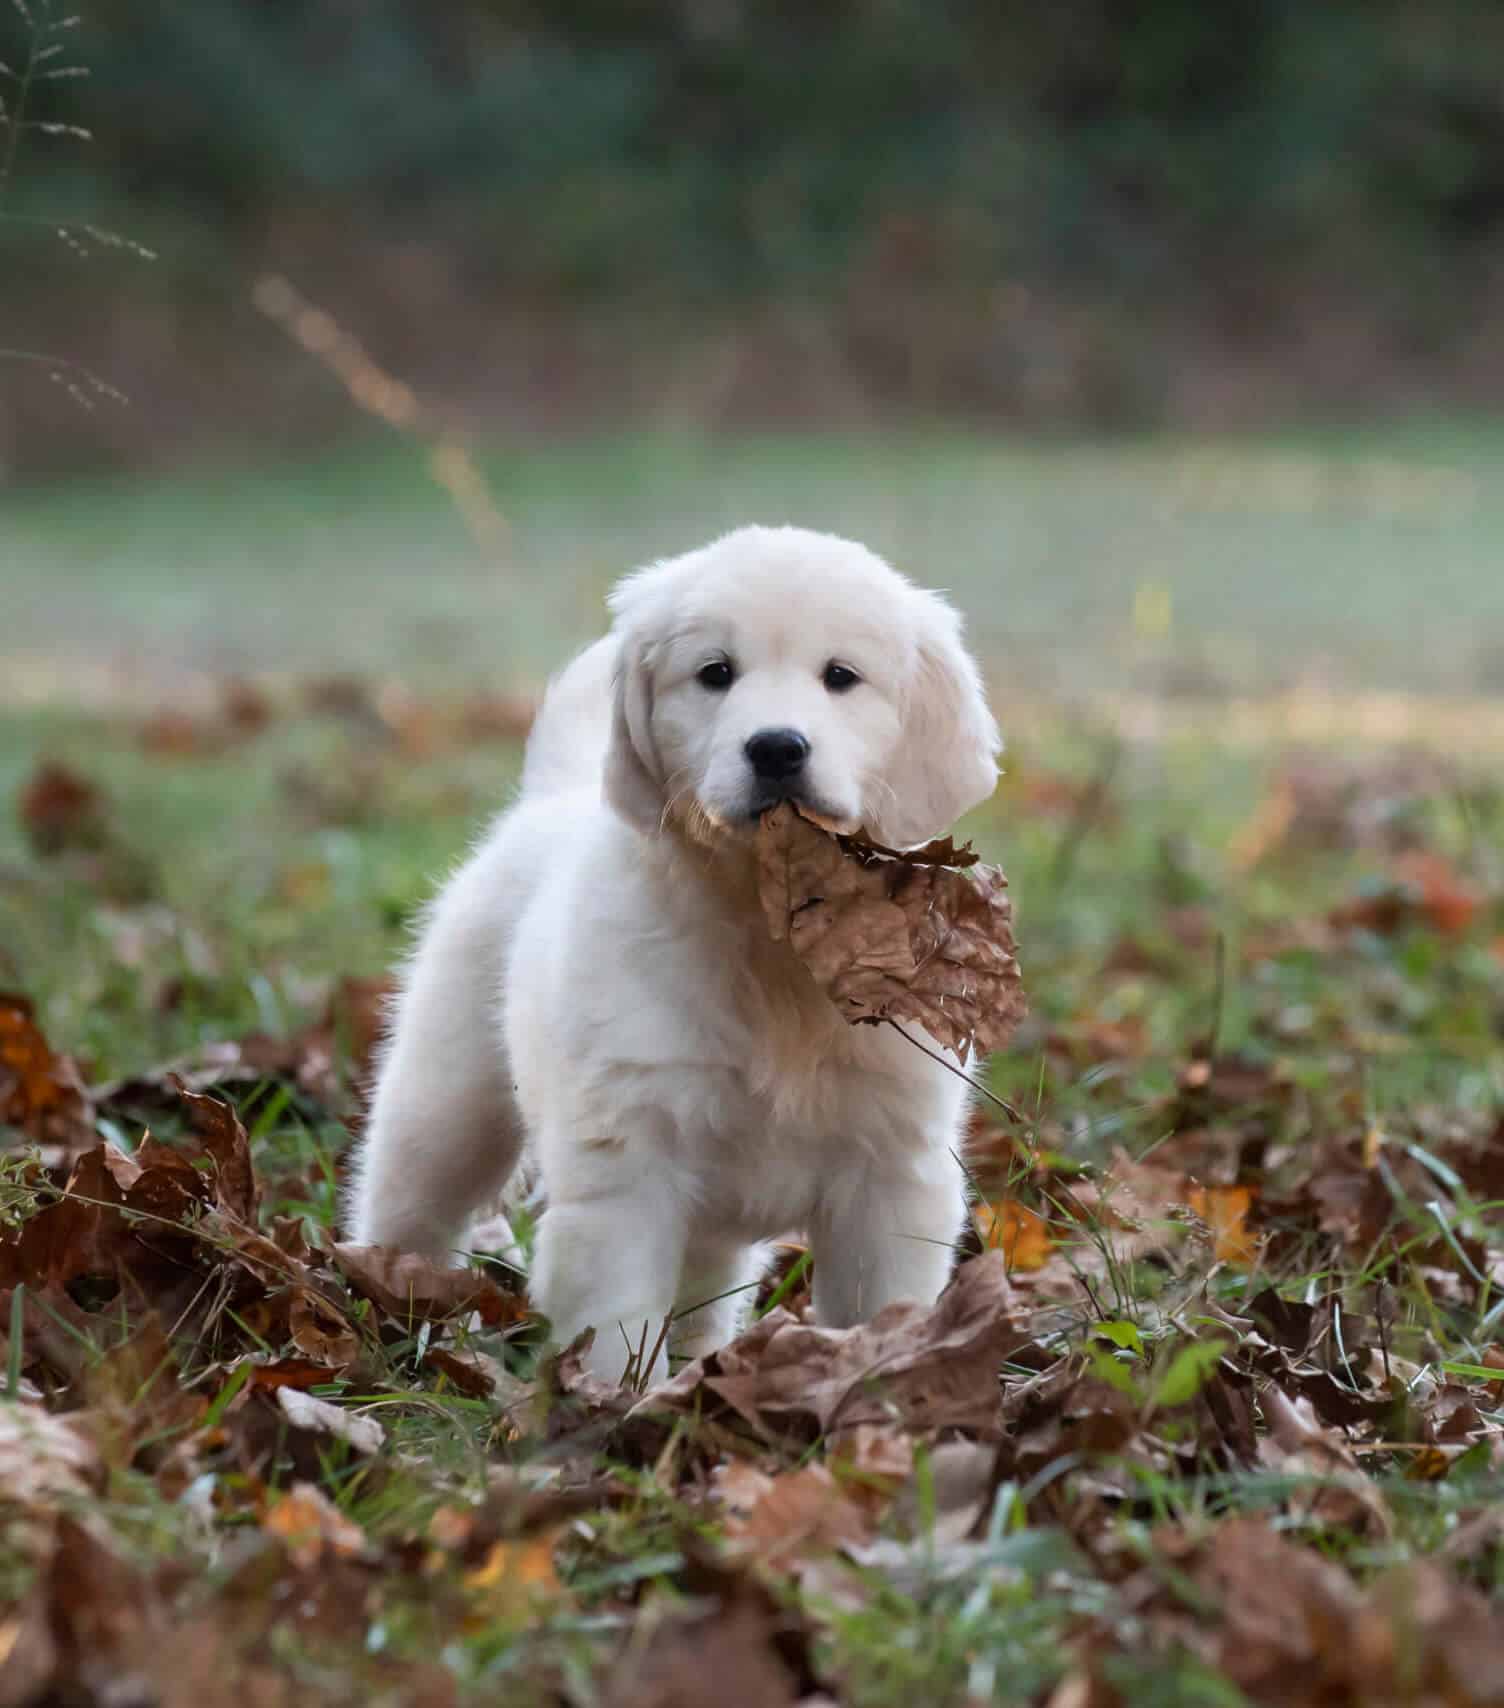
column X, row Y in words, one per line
column 715, row 146
column 834, row 210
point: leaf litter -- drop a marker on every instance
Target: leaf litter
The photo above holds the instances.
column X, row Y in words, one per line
column 1216, row 1396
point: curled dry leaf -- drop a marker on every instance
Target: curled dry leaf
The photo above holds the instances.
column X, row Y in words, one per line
column 925, row 936
column 220, row 1131
column 319, row 1331
column 412, row 1288
column 926, row 1369
column 472, row 1374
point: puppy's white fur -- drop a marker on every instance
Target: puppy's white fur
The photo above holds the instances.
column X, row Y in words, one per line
column 598, row 982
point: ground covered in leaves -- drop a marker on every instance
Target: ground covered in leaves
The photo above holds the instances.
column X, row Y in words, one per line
column 1213, row 1411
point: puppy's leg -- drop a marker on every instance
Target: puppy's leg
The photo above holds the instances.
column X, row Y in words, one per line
column 716, row 1295
column 881, row 1240
column 444, row 1132
column 612, row 1263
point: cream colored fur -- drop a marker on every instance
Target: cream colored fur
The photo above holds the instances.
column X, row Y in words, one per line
column 597, row 982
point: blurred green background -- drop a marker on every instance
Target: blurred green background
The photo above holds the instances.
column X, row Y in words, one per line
column 1171, row 337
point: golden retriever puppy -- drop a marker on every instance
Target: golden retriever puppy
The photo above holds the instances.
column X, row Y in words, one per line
column 598, row 983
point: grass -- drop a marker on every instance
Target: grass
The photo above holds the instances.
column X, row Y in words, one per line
column 1308, row 1022
column 243, row 895
column 1362, row 558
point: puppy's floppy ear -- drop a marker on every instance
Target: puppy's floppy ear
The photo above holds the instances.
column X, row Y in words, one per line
column 633, row 775
column 946, row 759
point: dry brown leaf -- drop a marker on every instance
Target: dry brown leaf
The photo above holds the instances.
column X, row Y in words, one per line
column 60, row 810
column 786, row 1518
column 875, row 1461
column 41, row 1092
column 746, row 1652
column 320, row 1332
column 469, row 1373
column 43, row 1459
column 88, row 1232
column 1426, row 889
column 1297, row 1631
column 1297, row 1444
column 925, row 936
column 137, row 1407
column 1288, row 1611
column 220, row 1131
column 412, row 1288
column 926, row 1369
column 310, row 1526
column 289, row 1373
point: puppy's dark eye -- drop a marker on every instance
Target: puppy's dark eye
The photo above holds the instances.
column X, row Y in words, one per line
column 838, row 678
column 718, row 675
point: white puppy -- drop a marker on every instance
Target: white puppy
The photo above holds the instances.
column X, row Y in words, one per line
column 599, row 982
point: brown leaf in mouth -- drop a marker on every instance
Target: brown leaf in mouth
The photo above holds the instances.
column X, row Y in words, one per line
column 924, row 936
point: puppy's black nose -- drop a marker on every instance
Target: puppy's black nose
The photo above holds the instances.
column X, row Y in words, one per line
column 777, row 753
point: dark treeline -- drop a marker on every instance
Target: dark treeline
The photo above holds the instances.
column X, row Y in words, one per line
column 1222, row 165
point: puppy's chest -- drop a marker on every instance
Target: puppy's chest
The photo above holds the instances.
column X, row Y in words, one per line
column 763, row 1172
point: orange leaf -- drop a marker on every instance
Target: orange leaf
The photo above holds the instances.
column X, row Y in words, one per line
column 40, row 1091
column 1224, row 1209
column 1446, row 901
column 1021, row 1234
column 512, row 1575
column 310, row 1524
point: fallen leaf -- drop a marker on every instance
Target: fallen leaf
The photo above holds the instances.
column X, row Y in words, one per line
column 927, row 1369
column 925, row 936
column 472, row 1374
column 173, row 733
column 747, row 1651
column 1298, row 1445
column 785, row 1518
column 412, row 1288
column 1225, row 1209
column 319, row 1417
column 41, row 1092
column 310, row 1525
column 1288, row 1612
column 1021, row 1234
column 61, row 810
column 319, row 1331
column 136, row 1407
column 514, row 1573
column 43, row 1459
column 243, row 705
column 220, row 1131
column 1424, row 888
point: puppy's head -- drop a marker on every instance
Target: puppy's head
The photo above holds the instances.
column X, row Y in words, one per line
column 780, row 664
